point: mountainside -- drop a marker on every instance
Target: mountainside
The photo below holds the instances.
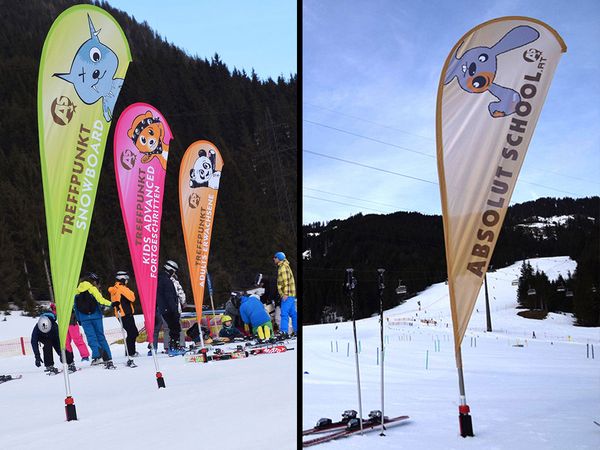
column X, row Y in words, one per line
column 252, row 122
column 410, row 246
column 512, row 378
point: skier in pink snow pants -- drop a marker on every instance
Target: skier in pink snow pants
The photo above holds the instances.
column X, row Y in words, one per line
column 74, row 334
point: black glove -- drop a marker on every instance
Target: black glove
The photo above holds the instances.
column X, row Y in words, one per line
column 38, row 361
column 116, row 304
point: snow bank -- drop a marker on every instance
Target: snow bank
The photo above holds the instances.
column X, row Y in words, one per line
column 524, row 393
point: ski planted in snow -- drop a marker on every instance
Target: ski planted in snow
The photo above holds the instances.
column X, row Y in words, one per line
column 353, row 427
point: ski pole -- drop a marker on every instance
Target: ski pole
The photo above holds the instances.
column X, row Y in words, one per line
column 381, row 288
column 350, row 285
column 118, row 315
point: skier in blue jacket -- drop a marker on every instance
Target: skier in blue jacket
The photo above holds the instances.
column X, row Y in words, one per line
column 87, row 310
column 253, row 313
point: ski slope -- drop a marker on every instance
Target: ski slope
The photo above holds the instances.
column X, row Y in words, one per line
column 524, row 393
column 244, row 403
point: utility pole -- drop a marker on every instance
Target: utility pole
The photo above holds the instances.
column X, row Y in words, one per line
column 281, row 191
column 487, row 305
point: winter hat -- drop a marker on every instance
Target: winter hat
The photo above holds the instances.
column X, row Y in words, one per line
column 280, row 256
column 171, row 265
column 92, row 276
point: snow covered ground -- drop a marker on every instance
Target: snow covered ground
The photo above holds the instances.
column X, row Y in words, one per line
column 246, row 403
column 524, row 393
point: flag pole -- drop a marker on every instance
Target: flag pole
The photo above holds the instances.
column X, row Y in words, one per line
column 159, row 378
column 70, row 410
column 212, row 304
column 464, row 419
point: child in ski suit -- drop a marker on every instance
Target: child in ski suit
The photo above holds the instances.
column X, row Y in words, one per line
column 45, row 332
column 87, row 309
column 122, row 302
column 286, row 288
column 228, row 331
column 253, row 313
column 74, row 335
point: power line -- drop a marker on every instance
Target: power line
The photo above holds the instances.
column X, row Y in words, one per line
column 350, row 197
column 369, row 167
column 421, row 179
column 345, row 204
column 370, row 121
column 428, row 154
column 370, row 138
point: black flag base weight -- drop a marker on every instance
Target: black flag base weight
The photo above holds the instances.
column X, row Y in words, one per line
column 70, row 409
column 465, row 422
column 160, row 380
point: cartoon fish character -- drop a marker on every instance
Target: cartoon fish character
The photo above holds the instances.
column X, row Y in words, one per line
column 92, row 72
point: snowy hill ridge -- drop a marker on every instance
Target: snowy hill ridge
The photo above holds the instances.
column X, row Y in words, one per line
column 435, row 306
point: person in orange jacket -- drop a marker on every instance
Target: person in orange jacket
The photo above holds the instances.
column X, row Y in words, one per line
column 122, row 302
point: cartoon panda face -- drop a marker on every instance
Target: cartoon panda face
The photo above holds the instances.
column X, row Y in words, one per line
column 202, row 170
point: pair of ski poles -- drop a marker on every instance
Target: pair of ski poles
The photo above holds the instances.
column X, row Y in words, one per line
column 350, row 285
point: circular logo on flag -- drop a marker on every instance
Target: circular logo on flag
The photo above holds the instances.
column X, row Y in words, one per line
column 127, row 159
column 194, row 200
column 62, row 109
column 532, row 55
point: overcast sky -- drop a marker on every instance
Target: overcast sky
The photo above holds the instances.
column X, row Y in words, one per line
column 370, row 76
column 259, row 34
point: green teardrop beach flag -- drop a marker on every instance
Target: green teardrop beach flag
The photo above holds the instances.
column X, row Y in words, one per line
column 83, row 65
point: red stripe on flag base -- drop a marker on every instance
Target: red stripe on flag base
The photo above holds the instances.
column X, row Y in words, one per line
column 160, row 380
column 465, row 422
column 70, row 410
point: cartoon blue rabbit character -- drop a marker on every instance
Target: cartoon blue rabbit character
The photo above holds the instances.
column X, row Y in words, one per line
column 92, row 72
column 475, row 70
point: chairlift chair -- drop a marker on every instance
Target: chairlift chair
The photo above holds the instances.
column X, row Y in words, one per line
column 401, row 289
column 569, row 294
column 531, row 291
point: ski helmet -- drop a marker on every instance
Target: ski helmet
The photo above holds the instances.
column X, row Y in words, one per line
column 92, row 276
column 171, row 266
column 279, row 255
column 122, row 276
column 226, row 318
column 44, row 324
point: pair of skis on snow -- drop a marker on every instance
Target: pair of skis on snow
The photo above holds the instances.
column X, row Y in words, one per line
column 348, row 426
column 5, row 378
column 240, row 352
